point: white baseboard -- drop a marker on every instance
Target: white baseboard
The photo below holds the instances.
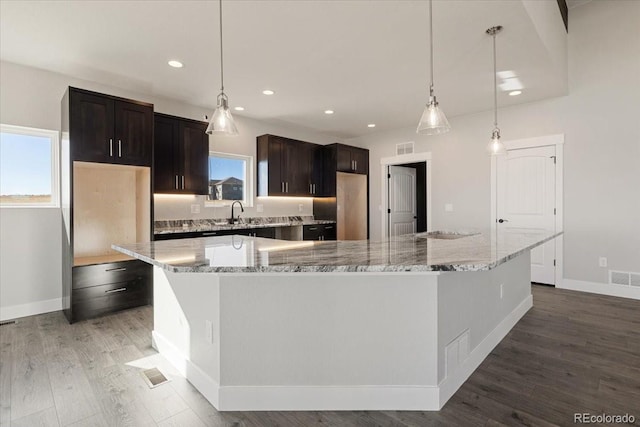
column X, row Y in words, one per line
column 451, row 384
column 196, row 376
column 30, row 309
column 336, row 398
column 632, row 292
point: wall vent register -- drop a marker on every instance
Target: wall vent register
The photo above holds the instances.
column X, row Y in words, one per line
column 625, row 278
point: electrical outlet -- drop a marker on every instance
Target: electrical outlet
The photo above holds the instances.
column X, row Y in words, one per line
column 208, row 331
column 195, row 209
column 260, row 207
column 602, row 261
column 300, row 207
column 501, row 291
column 448, row 207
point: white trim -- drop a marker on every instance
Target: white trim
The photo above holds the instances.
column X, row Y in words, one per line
column 249, row 183
column 541, row 141
column 451, row 384
column 399, row 160
column 196, row 376
column 632, row 292
column 325, row 398
column 54, row 137
column 30, row 309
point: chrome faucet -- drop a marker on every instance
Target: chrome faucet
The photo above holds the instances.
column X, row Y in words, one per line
column 233, row 218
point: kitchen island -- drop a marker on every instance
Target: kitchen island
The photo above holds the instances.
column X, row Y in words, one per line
column 264, row 324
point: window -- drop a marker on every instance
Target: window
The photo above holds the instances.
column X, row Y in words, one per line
column 230, row 178
column 28, row 167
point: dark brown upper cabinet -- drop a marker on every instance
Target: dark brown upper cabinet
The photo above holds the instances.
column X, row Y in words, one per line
column 287, row 167
column 108, row 129
column 352, row 159
column 181, row 156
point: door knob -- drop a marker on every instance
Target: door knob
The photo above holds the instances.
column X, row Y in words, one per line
column 502, row 220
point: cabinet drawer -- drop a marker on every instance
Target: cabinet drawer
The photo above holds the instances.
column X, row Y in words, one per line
column 115, row 272
column 102, row 299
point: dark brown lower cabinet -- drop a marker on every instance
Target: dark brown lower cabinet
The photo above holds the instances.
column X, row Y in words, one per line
column 319, row 232
column 100, row 289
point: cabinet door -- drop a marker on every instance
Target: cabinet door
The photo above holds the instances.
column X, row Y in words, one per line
column 344, row 163
column 166, row 155
column 91, row 127
column 297, row 168
column 275, row 158
column 316, row 160
column 311, row 232
column 133, row 133
column 194, row 178
column 360, row 159
column 329, row 232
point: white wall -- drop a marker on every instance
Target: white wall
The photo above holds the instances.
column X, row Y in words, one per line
column 599, row 118
column 31, row 238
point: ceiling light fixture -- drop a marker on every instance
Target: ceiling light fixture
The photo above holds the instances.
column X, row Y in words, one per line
column 433, row 120
column 496, row 147
column 515, row 92
column 175, row 64
column 371, row 125
column 239, row 108
column 267, row 92
column 222, row 121
column 328, row 111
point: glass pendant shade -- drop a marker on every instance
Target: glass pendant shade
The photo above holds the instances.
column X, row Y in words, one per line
column 496, row 147
column 433, row 120
column 222, row 121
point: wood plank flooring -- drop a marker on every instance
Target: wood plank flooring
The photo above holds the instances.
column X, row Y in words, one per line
column 573, row 352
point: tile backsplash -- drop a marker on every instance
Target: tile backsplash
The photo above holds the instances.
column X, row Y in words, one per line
column 172, row 207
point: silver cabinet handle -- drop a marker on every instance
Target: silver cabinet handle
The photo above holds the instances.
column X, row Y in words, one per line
column 110, row 147
column 113, row 291
column 328, row 227
column 176, row 182
column 282, row 187
column 117, row 269
column 356, row 163
column 286, row 187
column 209, row 234
column 183, row 182
column 119, row 148
column 314, row 189
column 313, row 228
column 310, row 188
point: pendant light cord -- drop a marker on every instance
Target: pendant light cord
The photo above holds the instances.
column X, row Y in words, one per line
column 431, row 42
column 221, row 56
column 495, row 85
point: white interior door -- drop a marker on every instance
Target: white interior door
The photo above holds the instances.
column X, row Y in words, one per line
column 526, row 201
column 402, row 200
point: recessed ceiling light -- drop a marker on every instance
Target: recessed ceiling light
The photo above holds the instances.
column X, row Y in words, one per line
column 268, row 92
column 371, row 125
column 239, row 108
column 175, row 64
column 515, row 92
column 328, row 111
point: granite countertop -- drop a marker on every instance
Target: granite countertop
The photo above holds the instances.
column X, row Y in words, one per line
column 195, row 225
column 413, row 252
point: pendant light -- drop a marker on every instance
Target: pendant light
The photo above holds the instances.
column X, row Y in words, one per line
column 495, row 147
column 433, row 120
column 221, row 121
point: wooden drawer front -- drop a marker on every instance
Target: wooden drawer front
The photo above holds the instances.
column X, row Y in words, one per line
column 98, row 300
column 115, row 272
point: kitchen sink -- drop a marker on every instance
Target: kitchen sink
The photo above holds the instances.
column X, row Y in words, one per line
column 444, row 235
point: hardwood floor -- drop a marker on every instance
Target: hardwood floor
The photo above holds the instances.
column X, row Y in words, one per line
column 573, row 352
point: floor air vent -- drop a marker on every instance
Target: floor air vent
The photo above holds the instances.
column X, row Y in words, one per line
column 8, row 322
column 153, row 377
column 625, row 278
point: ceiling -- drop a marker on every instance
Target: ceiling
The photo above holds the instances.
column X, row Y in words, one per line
column 366, row 60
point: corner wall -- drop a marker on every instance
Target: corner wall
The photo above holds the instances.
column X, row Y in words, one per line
column 602, row 147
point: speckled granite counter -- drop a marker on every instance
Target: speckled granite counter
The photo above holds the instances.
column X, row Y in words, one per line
column 195, row 225
column 415, row 252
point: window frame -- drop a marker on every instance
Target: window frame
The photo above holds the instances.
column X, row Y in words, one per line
column 54, row 138
column 249, row 190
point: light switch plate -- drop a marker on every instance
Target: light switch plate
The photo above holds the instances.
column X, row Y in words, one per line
column 300, row 207
column 448, row 207
column 260, row 207
column 195, row 209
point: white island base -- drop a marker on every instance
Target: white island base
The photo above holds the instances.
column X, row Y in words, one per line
column 335, row 341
